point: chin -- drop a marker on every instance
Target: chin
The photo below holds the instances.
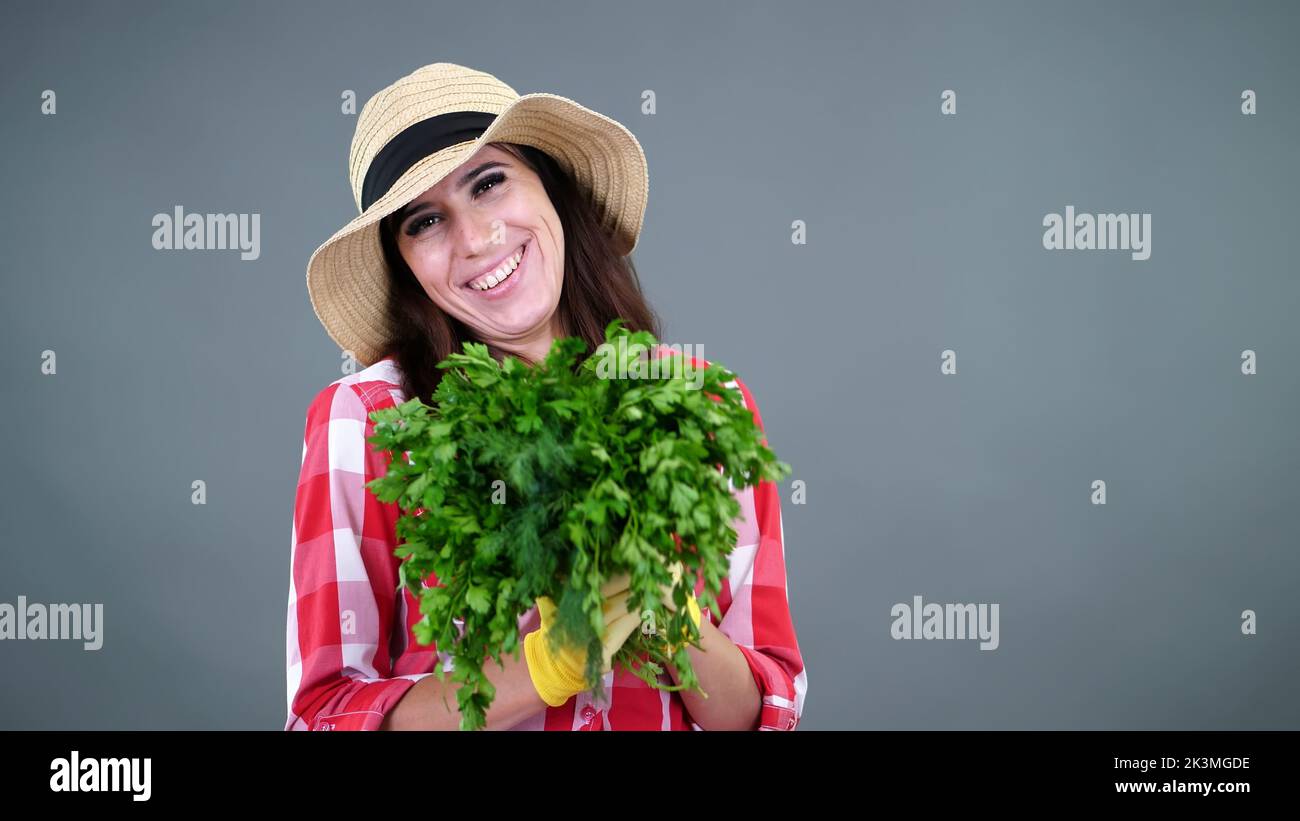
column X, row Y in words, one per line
column 527, row 320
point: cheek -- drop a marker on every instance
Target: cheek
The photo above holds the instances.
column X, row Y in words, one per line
column 430, row 270
column 546, row 229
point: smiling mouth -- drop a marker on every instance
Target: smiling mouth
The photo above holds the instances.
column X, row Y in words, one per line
column 502, row 273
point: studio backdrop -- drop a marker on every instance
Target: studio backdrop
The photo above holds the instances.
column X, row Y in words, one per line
column 1012, row 283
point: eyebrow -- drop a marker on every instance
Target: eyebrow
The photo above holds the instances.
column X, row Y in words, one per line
column 466, row 179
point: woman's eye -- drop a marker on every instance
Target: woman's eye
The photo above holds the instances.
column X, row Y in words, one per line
column 419, row 224
column 415, row 226
column 490, row 180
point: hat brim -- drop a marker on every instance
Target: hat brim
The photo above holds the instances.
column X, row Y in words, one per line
column 346, row 279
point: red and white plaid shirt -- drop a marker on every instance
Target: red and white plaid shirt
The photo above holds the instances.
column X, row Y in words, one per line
column 351, row 650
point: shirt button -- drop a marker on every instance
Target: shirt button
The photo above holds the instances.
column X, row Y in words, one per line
column 588, row 713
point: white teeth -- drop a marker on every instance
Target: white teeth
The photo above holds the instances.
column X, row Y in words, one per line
column 500, row 274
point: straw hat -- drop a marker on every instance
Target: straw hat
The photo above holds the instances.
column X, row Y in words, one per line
column 414, row 133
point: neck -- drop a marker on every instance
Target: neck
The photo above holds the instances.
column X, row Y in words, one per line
column 534, row 347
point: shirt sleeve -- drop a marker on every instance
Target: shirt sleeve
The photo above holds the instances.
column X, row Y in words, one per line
column 757, row 616
column 343, row 588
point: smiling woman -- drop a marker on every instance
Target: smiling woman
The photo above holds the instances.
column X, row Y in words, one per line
column 508, row 220
column 513, row 198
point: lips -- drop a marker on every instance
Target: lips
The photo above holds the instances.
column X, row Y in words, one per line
column 502, row 270
column 509, row 283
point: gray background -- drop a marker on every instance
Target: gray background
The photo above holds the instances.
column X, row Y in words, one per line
column 924, row 233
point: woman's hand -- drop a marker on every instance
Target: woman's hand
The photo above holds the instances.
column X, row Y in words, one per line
column 558, row 671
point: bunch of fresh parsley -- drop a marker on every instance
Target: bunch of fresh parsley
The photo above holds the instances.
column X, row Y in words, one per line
column 525, row 481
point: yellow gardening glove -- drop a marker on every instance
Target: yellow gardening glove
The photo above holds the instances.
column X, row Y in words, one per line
column 692, row 604
column 558, row 672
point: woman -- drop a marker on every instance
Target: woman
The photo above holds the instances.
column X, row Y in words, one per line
column 507, row 220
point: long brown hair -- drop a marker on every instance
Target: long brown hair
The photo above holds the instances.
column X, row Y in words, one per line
column 599, row 286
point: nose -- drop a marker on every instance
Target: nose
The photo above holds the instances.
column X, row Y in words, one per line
column 474, row 233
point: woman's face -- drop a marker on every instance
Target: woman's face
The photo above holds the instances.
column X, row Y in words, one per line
column 469, row 230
